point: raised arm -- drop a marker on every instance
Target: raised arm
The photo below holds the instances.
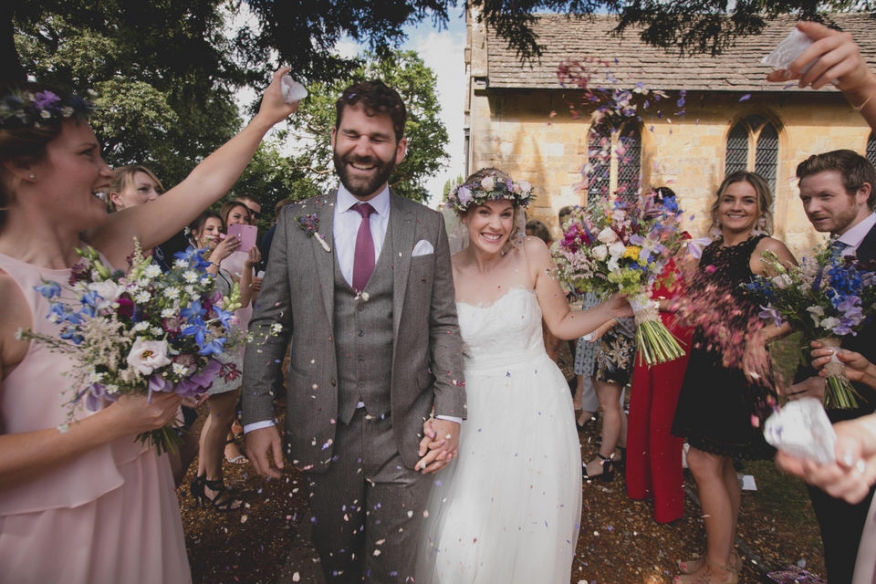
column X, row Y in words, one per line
column 156, row 222
column 839, row 61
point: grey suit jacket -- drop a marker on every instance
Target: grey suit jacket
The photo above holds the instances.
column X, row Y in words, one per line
column 298, row 293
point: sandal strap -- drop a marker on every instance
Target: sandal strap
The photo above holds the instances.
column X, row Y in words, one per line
column 226, row 504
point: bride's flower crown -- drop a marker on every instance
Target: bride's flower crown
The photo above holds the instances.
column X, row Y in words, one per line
column 489, row 185
column 21, row 109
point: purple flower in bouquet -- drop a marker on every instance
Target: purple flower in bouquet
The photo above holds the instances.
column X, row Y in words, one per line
column 630, row 249
column 140, row 332
column 826, row 298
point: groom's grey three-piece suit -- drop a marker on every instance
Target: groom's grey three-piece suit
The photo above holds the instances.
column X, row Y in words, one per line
column 394, row 348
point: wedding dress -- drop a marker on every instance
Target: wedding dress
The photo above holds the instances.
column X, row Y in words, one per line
column 508, row 508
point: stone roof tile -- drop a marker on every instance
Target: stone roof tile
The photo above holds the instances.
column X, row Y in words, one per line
column 631, row 61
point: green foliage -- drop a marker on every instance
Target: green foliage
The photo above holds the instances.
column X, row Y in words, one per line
column 304, row 31
column 427, row 135
column 272, row 177
column 163, row 71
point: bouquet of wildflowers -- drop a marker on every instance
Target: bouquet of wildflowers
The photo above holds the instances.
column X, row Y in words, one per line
column 141, row 332
column 825, row 298
column 623, row 246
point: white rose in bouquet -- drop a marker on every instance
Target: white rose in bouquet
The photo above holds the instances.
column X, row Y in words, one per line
column 617, row 249
column 607, row 235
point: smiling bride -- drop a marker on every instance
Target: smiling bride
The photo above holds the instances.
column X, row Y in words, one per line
column 508, row 508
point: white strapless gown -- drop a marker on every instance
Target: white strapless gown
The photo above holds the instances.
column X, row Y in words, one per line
column 508, row 508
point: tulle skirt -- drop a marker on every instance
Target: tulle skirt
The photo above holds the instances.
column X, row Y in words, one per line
column 508, row 508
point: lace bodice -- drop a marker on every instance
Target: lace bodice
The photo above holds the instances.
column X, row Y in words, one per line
column 503, row 333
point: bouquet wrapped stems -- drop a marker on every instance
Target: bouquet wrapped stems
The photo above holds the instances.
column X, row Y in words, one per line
column 654, row 341
column 839, row 393
column 165, row 439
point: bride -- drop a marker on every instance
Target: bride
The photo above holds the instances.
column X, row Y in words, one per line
column 508, row 509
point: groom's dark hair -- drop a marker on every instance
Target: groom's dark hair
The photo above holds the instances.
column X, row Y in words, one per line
column 376, row 98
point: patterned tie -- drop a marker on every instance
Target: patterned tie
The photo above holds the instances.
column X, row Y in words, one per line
column 363, row 261
column 838, row 247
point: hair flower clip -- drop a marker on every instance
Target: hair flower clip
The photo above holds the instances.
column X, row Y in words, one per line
column 489, row 184
column 310, row 225
column 20, row 109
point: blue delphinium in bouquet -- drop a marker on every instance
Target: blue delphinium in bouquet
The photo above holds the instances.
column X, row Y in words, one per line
column 826, row 298
column 141, row 332
column 623, row 245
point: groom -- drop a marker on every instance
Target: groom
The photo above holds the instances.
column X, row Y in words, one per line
column 360, row 279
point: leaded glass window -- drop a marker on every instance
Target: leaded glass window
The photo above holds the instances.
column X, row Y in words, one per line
column 614, row 161
column 871, row 149
column 737, row 150
column 753, row 144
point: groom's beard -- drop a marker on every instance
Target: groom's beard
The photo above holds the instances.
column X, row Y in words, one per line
column 362, row 187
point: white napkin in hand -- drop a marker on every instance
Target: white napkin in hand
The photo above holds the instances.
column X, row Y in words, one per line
column 292, row 90
column 788, row 50
column 802, row 429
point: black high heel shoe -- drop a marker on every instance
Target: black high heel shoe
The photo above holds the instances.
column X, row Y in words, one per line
column 222, row 501
column 607, row 474
column 621, row 459
column 196, row 488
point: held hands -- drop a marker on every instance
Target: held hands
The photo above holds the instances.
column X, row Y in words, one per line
column 440, row 444
column 265, row 451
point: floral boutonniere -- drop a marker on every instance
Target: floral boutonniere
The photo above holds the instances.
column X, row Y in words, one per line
column 310, row 225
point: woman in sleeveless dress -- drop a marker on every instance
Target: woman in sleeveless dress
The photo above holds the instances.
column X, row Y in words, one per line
column 716, row 405
column 87, row 503
column 508, row 509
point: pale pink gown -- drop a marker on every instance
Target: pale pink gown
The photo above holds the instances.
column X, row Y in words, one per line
column 109, row 515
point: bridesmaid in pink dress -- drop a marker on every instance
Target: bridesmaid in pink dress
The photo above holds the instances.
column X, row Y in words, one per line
column 87, row 504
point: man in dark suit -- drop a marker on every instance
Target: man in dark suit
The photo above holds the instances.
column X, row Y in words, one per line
column 375, row 392
column 837, row 191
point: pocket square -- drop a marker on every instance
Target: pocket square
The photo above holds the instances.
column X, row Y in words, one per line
column 422, row 248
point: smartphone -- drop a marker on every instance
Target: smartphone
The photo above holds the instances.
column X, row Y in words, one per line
column 246, row 234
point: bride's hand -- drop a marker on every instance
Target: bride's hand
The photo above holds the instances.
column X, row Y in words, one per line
column 619, row 306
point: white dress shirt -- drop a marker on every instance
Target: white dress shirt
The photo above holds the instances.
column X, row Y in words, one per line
column 854, row 236
column 346, row 227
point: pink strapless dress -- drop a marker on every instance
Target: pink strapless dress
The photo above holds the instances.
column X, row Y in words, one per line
column 109, row 515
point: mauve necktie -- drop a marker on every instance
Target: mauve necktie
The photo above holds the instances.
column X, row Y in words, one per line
column 363, row 261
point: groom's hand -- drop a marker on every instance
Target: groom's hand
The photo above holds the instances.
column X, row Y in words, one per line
column 439, row 445
column 263, row 447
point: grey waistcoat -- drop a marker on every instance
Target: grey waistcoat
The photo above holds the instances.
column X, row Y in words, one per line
column 364, row 339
